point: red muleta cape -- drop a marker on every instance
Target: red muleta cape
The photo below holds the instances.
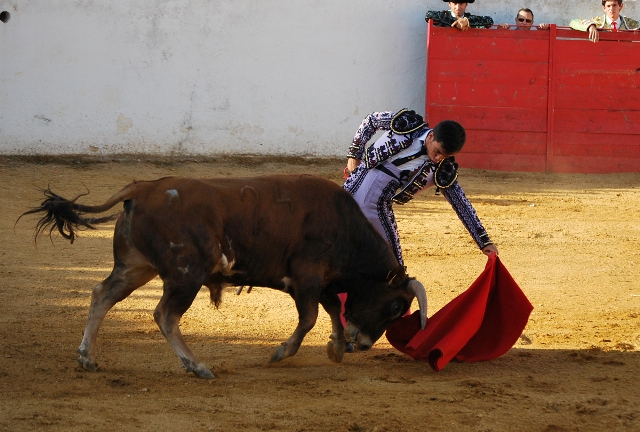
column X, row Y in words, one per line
column 482, row 323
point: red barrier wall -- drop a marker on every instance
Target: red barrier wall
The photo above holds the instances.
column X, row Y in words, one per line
column 538, row 100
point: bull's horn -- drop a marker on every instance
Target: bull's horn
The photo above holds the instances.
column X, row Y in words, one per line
column 418, row 289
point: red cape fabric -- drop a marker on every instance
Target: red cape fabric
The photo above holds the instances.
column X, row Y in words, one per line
column 482, row 323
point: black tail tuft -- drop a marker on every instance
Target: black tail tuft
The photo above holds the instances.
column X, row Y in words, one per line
column 64, row 215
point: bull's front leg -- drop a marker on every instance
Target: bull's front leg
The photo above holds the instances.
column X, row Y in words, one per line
column 175, row 301
column 307, row 297
column 337, row 344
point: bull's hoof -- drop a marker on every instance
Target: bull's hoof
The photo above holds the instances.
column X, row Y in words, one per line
column 278, row 354
column 202, row 372
column 199, row 369
column 335, row 350
column 87, row 364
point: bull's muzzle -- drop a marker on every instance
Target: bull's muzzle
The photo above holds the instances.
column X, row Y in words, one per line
column 352, row 334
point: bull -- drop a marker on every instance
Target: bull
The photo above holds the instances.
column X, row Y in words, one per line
column 300, row 234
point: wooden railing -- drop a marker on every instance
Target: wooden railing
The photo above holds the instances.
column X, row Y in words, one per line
column 538, row 100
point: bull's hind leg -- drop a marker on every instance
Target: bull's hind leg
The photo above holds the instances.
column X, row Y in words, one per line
column 121, row 282
column 175, row 301
column 337, row 345
column 307, row 297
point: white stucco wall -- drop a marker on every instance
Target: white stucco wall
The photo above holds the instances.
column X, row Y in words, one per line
column 216, row 76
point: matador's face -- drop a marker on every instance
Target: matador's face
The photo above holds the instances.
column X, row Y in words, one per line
column 612, row 9
column 434, row 149
column 458, row 8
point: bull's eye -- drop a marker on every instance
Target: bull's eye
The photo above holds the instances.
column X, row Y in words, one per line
column 397, row 308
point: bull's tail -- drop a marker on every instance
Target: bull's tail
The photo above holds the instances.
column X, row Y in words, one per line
column 67, row 216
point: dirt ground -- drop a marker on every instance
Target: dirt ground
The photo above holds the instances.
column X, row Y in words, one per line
column 572, row 242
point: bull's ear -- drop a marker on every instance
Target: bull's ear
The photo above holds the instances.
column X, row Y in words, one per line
column 397, row 276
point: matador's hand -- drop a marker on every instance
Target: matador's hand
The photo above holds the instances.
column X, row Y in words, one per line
column 593, row 33
column 352, row 164
column 488, row 249
column 461, row 23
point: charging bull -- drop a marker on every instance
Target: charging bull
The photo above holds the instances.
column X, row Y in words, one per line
column 299, row 234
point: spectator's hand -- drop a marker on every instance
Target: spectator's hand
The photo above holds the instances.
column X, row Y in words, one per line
column 503, row 26
column 461, row 24
column 352, row 164
column 593, row 33
column 487, row 250
column 543, row 26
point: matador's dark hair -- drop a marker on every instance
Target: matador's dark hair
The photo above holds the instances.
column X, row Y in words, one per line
column 451, row 135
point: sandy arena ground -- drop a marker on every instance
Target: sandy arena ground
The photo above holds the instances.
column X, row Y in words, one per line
column 572, row 242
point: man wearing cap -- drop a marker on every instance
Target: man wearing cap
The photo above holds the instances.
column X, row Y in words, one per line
column 610, row 20
column 456, row 17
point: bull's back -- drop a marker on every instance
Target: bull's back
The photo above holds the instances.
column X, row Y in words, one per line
column 267, row 219
column 280, row 211
column 289, row 196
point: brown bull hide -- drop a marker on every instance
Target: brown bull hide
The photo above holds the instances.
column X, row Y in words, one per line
column 300, row 234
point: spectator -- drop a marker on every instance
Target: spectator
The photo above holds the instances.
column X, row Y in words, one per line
column 524, row 21
column 610, row 20
column 457, row 17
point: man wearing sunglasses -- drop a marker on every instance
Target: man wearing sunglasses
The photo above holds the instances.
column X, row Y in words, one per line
column 611, row 20
column 524, row 21
column 458, row 18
